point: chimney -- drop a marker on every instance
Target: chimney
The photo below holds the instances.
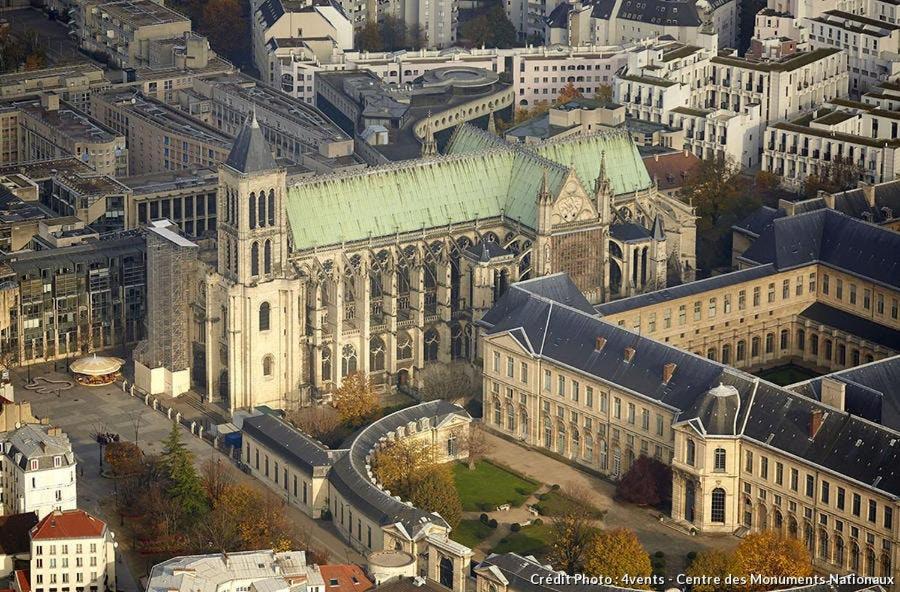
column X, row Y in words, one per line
column 816, row 419
column 828, row 198
column 656, row 157
column 833, row 393
column 600, row 343
column 54, row 431
column 629, row 354
column 50, row 101
column 868, row 190
column 668, row 371
column 687, row 152
column 789, row 207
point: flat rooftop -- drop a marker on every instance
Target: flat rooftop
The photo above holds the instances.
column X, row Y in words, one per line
column 82, row 69
column 39, row 170
column 70, row 122
column 141, row 13
column 166, row 118
column 171, row 181
column 14, row 210
column 91, row 184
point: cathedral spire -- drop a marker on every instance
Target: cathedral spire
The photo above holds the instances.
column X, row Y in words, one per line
column 250, row 152
column 429, row 145
column 544, row 195
column 492, row 125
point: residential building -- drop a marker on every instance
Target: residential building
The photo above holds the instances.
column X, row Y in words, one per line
column 603, row 22
column 19, row 221
column 96, row 200
column 536, row 214
column 187, row 197
column 344, row 578
column 74, row 84
column 38, row 472
column 47, row 129
column 788, row 18
column 82, row 297
column 71, row 548
column 285, row 570
column 671, row 171
column 338, row 482
column 125, row 31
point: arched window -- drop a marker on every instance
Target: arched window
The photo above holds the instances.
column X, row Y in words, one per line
column 854, row 557
column 588, row 447
column 711, row 354
column 432, row 340
column 801, row 339
column 690, row 452
column 268, row 365
column 267, row 257
column 523, row 423
column 561, row 439
column 886, row 564
column 770, row 342
column 348, row 360
column 726, row 354
column 251, row 207
column 510, row 418
column 326, row 364
column 271, row 207
column 261, row 208
column 754, row 347
column 784, row 339
column 254, row 258
column 404, row 346
column 548, row 433
column 741, row 351
column 576, row 443
column 264, row 310
column 793, row 528
column 839, row 551
column 778, row 521
column 376, row 354
column 235, row 255
column 717, row 513
column 823, row 545
column 870, row 562
column 719, row 460
column 603, row 455
column 498, row 419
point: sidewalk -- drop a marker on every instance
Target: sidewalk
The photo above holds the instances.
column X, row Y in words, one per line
column 653, row 535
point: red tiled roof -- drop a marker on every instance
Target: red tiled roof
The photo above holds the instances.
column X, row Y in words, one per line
column 23, row 580
column 68, row 524
column 349, row 578
column 671, row 170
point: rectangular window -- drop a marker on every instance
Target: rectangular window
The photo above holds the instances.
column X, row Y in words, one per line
column 604, row 402
column 726, row 303
column 779, row 473
column 712, row 308
column 771, row 296
column 617, row 408
column 682, row 314
column 852, row 293
column 748, row 462
column 576, row 390
column 873, row 510
column 826, row 492
column 645, row 420
column 840, row 498
column 524, row 373
column 839, row 289
column 812, row 283
column 795, row 479
column 547, row 380
column 785, row 289
column 756, row 296
column 496, row 361
column 660, row 425
column 742, row 299
column 698, row 308
column 867, row 298
column 810, row 486
column 764, row 467
column 825, row 282
column 589, row 396
column 857, row 504
column 561, row 386
column 631, row 414
column 510, row 367
column 888, row 517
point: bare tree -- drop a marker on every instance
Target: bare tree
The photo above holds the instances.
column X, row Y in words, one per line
column 321, row 422
column 136, row 417
column 572, row 530
column 217, row 477
column 452, row 382
column 473, row 444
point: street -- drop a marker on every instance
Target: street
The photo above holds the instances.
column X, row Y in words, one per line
column 83, row 411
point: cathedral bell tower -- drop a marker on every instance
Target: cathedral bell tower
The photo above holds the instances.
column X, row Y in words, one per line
column 252, row 217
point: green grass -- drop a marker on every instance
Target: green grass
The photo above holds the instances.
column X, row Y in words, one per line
column 471, row 532
column 489, row 486
column 531, row 540
column 787, row 374
column 554, row 502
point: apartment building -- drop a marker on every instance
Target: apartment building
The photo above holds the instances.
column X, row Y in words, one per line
column 47, row 129
column 186, row 197
column 74, row 84
column 38, row 472
column 872, row 45
column 253, row 570
column 84, row 297
column 125, row 31
column 72, row 549
column 160, row 138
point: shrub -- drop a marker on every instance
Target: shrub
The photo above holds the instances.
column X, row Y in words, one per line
column 554, row 487
column 659, row 554
column 516, row 527
column 648, row 483
column 493, row 523
column 543, row 497
column 537, row 522
column 483, row 518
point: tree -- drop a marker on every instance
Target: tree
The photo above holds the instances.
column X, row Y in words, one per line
column 568, row 94
column 394, row 33
column 838, row 175
column 451, row 382
column 356, row 401
column 34, row 61
column 477, row 31
column 716, row 565
column 473, row 444
column 124, row 458
column 401, row 463
column 224, row 24
column 490, row 28
column 572, row 532
column 648, row 483
column 321, row 422
column 216, row 478
column 435, row 491
column 615, row 553
column 369, row 38
column 769, row 553
column 184, row 487
column 524, row 114
column 604, row 93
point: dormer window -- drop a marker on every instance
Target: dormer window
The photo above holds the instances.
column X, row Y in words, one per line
column 34, row 465
column 57, row 461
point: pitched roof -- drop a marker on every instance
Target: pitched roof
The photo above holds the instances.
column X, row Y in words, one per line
column 295, row 447
column 833, row 238
column 671, row 170
column 68, row 524
column 853, row 325
column 250, row 152
column 347, row 578
column 482, row 177
column 14, row 529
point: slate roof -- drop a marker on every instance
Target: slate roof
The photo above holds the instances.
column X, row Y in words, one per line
column 250, row 152
column 758, row 221
column 295, row 447
column 559, row 16
column 483, row 177
column 484, row 251
column 773, row 416
column 870, row 390
column 272, row 10
column 853, row 324
column 829, row 237
column 680, row 13
column 557, row 287
column 629, row 232
column 34, row 443
column 350, row 478
column 523, row 573
column 684, row 290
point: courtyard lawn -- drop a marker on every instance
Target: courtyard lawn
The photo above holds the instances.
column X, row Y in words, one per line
column 471, row 532
column 489, row 486
column 787, row 374
column 554, row 502
column 531, row 540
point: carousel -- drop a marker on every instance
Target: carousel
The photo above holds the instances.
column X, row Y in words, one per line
column 97, row 370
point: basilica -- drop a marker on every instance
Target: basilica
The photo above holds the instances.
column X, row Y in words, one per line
column 383, row 270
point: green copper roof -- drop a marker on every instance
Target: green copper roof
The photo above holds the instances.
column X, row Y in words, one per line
column 482, row 177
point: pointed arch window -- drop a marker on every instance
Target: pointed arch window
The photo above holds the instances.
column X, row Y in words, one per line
column 268, row 365
column 262, row 209
column 271, row 212
column 254, row 258
column 264, row 316
column 267, row 257
column 251, row 207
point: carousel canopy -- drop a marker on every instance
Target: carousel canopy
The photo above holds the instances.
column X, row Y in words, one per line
column 96, row 365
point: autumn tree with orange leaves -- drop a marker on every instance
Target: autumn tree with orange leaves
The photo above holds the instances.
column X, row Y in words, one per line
column 356, row 400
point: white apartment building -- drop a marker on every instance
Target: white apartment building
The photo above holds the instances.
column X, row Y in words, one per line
column 72, row 550
column 259, row 571
column 714, row 133
column 38, row 471
column 872, row 46
column 787, row 18
column 603, row 22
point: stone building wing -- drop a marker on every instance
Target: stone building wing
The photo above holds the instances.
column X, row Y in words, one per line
column 296, row 448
